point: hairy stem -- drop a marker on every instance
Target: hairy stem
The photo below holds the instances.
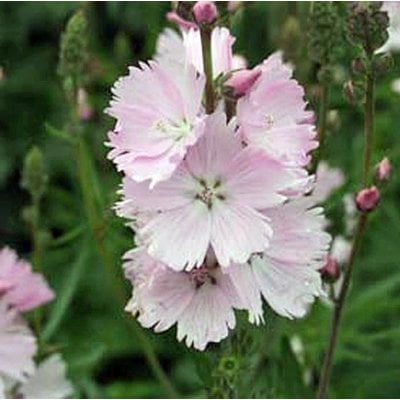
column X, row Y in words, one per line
column 369, row 109
column 323, row 112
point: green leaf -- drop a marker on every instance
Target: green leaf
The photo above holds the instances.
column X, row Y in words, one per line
column 66, row 295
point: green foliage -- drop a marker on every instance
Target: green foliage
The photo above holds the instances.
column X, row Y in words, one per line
column 105, row 358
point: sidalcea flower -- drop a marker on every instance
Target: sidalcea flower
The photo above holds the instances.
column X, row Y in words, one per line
column 172, row 49
column 21, row 288
column 157, row 112
column 205, row 12
column 201, row 302
column 272, row 115
column 49, row 381
column 214, row 198
column 17, row 347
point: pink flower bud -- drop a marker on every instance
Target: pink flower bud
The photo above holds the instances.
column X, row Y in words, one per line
column 173, row 17
column 367, row 199
column 383, row 170
column 242, row 81
column 205, row 12
column 331, row 271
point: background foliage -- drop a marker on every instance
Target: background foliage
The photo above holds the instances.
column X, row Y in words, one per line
column 105, row 358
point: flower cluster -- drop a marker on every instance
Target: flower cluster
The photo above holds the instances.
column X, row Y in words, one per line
column 219, row 204
column 22, row 290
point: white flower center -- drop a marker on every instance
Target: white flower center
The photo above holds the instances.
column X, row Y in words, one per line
column 175, row 130
column 209, row 190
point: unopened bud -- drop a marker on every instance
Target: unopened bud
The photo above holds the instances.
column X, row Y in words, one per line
column 34, row 176
column 85, row 111
column 205, row 12
column 184, row 24
column 74, row 48
column 368, row 199
column 331, row 271
column 242, row 81
column 383, row 170
column 354, row 91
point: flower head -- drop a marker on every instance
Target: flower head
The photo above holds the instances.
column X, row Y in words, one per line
column 21, row 288
column 272, row 115
column 202, row 301
column 157, row 112
column 214, row 198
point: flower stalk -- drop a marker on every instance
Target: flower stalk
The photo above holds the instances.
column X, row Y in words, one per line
column 205, row 33
column 369, row 108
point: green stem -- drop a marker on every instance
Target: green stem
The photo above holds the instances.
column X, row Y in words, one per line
column 36, row 256
column 97, row 226
column 338, row 310
column 205, row 32
column 323, row 112
column 369, row 109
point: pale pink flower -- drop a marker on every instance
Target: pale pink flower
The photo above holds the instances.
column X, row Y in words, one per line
column 221, row 50
column 201, row 302
column 272, row 115
column 21, row 288
column 157, row 112
column 287, row 272
column 49, row 381
column 214, row 198
column 17, row 346
column 180, row 51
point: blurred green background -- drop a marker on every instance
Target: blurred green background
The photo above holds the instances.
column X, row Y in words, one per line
column 104, row 356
